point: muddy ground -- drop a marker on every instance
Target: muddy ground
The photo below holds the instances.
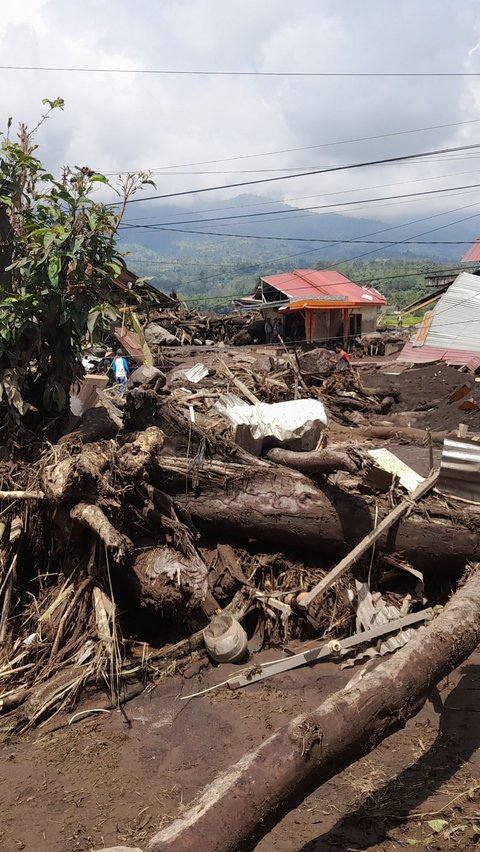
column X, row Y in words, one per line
column 115, row 777
column 424, row 394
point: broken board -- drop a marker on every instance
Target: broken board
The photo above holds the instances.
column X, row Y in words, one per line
column 387, row 461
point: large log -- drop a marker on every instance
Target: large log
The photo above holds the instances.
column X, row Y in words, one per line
column 284, row 507
column 242, row 805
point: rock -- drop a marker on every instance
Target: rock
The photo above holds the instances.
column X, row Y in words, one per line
column 254, row 332
column 146, row 376
column 157, row 335
column 320, row 361
column 263, row 364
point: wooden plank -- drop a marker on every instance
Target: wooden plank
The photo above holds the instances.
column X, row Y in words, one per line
column 239, row 384
column 369, row 539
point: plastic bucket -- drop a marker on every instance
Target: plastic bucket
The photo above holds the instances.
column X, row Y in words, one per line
column 225, row 639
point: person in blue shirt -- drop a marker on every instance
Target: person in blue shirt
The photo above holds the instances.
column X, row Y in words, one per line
column 121, row 371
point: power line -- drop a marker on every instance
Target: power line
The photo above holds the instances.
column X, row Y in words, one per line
column 317, row 240
column 256, row 266
column 305, row 147
column 360, row 281
column 276, row 170
column 208, row 73
column 374, row 251
column 200, row 213
column 163, row 225
column 328, row 170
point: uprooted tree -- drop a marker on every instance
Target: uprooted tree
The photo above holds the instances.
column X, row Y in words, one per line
column 58, row 265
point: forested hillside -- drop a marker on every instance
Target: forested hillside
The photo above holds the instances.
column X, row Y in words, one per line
column 211, row 255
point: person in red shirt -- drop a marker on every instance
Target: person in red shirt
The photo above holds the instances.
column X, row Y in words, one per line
column 343, row 359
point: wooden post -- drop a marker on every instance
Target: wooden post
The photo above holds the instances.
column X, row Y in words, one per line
column 430, row 451
column 365, row 544
column 309, row 325
column 346, row 326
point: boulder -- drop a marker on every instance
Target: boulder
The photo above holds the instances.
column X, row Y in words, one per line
column 157, row 335
column 146, row 376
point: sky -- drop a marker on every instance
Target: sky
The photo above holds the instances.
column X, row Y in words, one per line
column 165, row 123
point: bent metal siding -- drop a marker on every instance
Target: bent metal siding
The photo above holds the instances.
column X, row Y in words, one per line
column 456, row 318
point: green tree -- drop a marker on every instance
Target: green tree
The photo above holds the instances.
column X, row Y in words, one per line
column 58, row 265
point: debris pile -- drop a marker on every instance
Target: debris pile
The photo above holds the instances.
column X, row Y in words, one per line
column 187, row 327
column 227, row 492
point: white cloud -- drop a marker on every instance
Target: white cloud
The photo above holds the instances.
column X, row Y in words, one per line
column 129, row 121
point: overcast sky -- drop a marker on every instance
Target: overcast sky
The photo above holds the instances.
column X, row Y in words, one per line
column 131, row 121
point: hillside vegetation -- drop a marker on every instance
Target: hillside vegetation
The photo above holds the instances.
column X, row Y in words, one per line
column 213, row 285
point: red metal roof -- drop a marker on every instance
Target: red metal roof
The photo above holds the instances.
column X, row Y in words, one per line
column 426, row 354
column 323, row 284
column 473, row 253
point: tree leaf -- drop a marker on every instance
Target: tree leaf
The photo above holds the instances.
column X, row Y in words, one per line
column 54, row 268
column 437, row 825
column 55, row 104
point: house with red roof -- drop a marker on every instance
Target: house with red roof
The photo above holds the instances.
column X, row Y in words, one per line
column 317, row 305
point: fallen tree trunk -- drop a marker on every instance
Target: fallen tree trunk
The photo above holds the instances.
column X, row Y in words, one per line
column 284, row 507
column 242, row 805
column 318, row 461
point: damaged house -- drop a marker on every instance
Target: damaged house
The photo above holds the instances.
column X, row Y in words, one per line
column 317, row 305
column 450, row 329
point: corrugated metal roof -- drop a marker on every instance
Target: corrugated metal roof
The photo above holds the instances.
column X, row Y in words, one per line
column 473, row 253
column 456, row 316
column 426, row 354
column 305, row 284
column 451, row 332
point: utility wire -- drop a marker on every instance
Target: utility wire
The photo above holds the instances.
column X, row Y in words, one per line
column 304, row 148
column 317, row 240
column 328, row 170
column 162, row 225
column 202, row 73
column 374, row 251
column 200, row 213
column 275, row 259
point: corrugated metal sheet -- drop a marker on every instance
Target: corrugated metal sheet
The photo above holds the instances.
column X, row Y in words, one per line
column 456, row 317
column 324, row 283
column 427, row 354
column 460, row 469
column 473, row 253
column 451, row 332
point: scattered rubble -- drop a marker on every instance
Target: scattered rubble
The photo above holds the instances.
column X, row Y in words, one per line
column 221, row 505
